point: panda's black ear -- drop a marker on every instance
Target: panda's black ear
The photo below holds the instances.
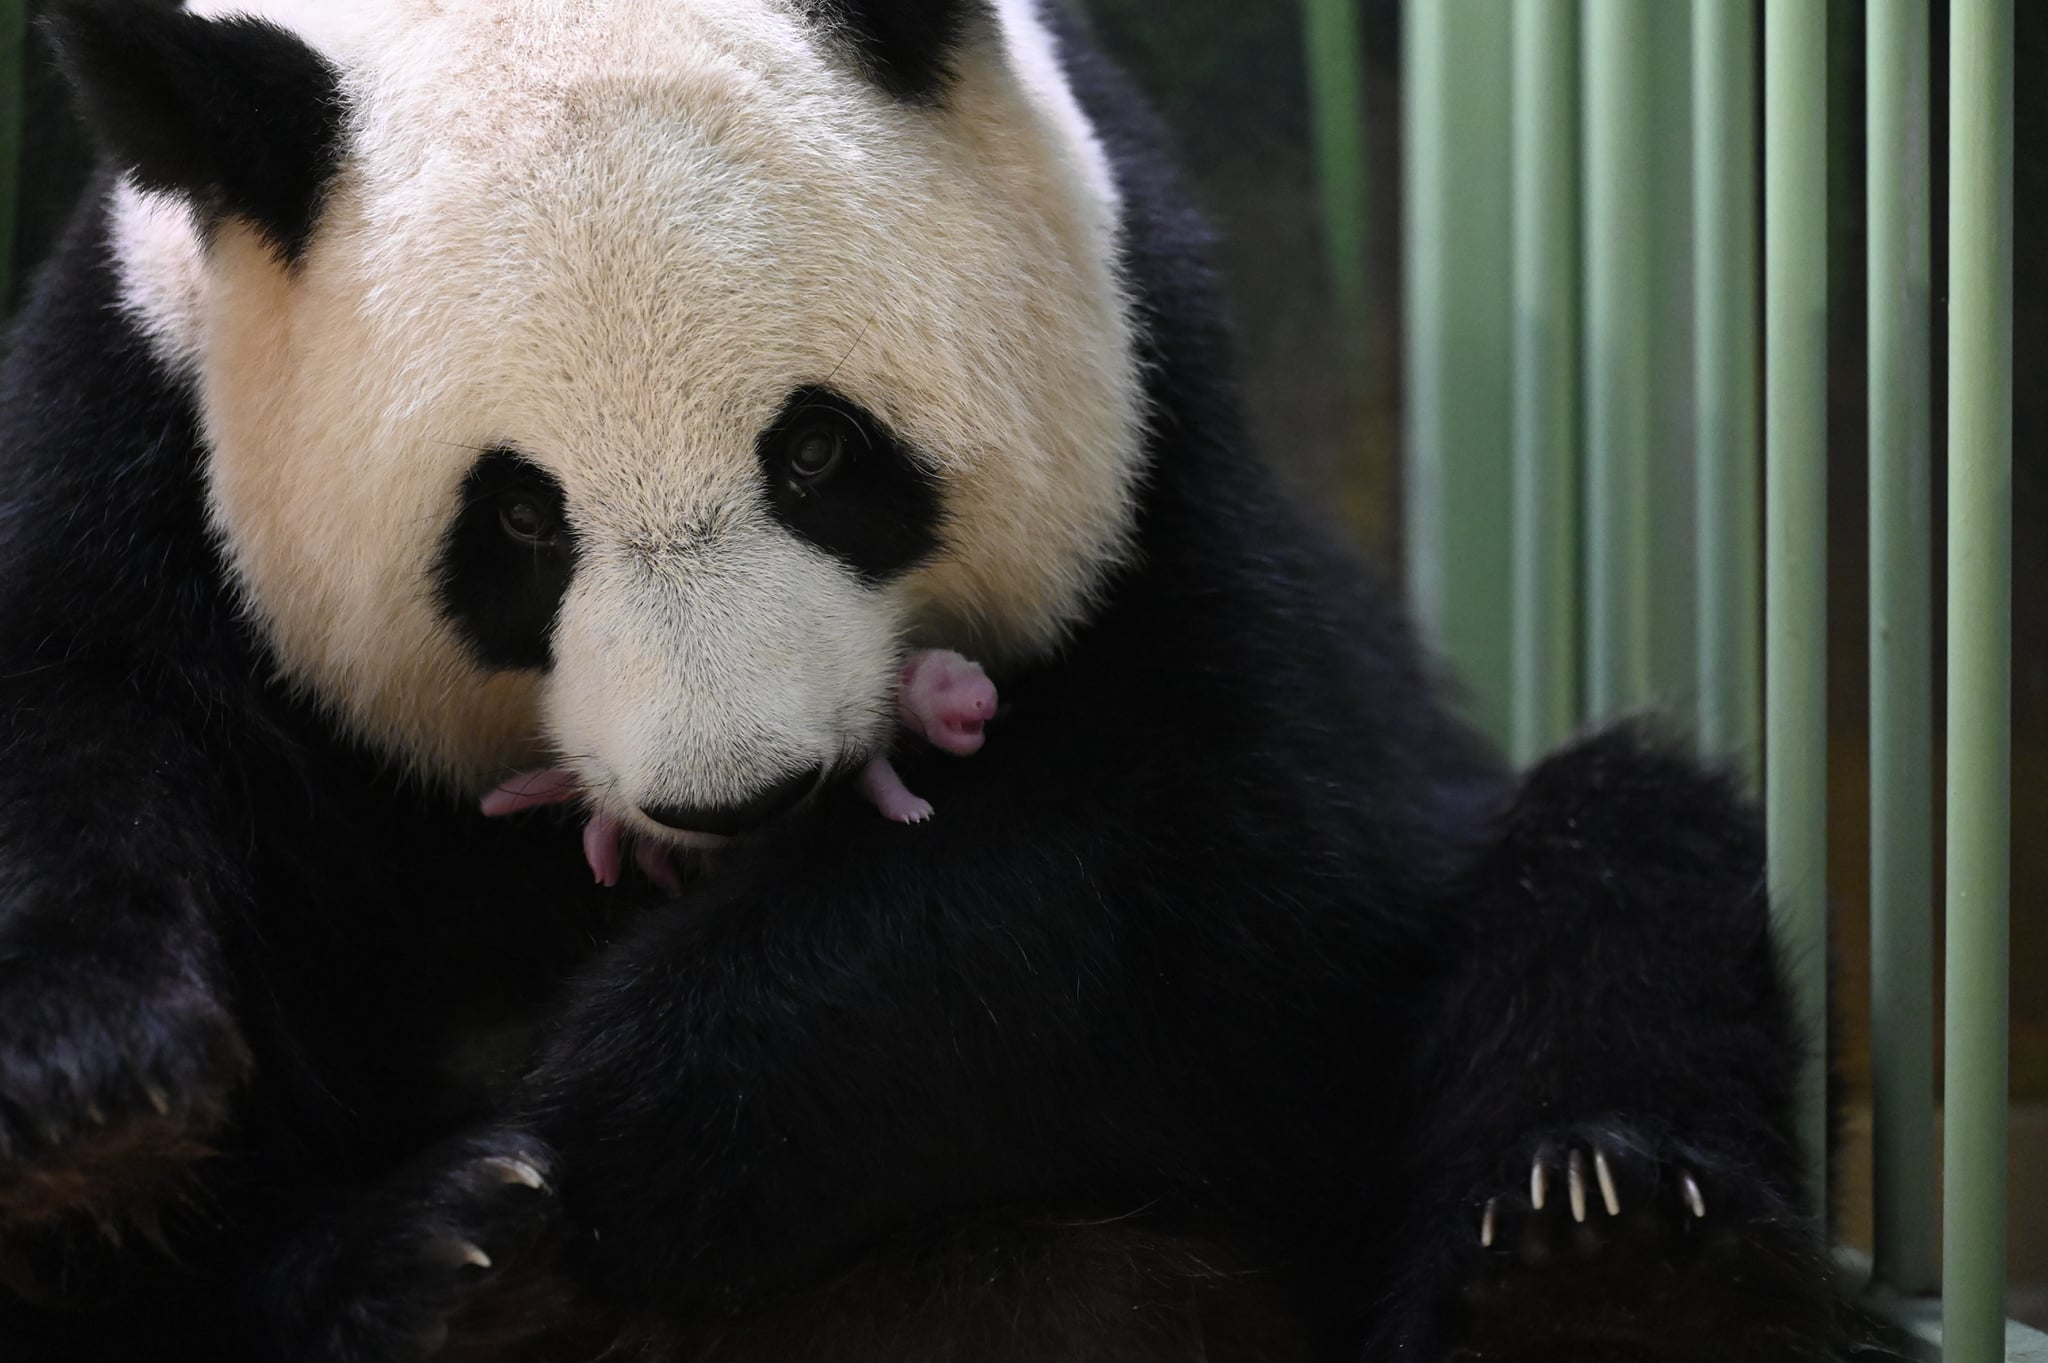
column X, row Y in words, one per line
column 236, row 114
column 906, row 46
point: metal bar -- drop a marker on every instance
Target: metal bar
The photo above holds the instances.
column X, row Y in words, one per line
column 1668, row 507
column 1617, row 343
column 1730, row 667
column 1795, row 529
column 1901, row 644
column 1336, row 77
column 1457, row 267
column 1979, row 675
column 1546, row 375
column 13, row 33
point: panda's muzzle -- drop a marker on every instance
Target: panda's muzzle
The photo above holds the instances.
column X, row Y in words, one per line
column 727, row 820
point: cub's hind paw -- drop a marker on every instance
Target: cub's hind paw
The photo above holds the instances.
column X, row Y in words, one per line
column 439, row 1250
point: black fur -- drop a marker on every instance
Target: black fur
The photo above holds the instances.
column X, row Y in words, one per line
column 876, row 509
column 501, row 590
column 905, row 46
column 1231, row 984
column 236, row 114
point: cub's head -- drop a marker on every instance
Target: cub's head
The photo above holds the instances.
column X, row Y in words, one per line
column 626, row 383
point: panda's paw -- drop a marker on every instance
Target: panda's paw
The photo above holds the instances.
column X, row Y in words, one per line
column 456, row 1248
column 112, row 1083
column 1590, row 1193
column 1613, row 1244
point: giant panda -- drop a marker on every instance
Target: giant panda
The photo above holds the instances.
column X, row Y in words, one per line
column 434, row 390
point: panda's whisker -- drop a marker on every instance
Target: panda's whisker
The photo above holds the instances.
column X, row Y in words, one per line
column 859, row 336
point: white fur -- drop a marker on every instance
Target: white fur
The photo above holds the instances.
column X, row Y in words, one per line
column 615, row 234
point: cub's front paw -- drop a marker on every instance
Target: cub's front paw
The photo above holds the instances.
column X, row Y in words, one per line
column 115, row 1072
column 1622, row 1246
column 456, row 1244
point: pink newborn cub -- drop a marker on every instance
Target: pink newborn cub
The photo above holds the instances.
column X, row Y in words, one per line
column 941, row 696
column 945, row 699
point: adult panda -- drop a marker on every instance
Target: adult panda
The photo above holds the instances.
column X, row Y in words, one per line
column 436, row 389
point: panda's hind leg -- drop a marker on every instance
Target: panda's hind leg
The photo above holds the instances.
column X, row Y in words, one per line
column 1604, row 1164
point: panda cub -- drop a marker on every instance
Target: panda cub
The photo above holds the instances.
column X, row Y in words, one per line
column 942, row 697
column 431, row 392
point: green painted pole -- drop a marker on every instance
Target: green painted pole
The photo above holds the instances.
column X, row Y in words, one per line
column 1336, row 76
column 1457, row 272
column 1979, row 675
column 1546, row 376
column 1617, row 346
column 13, row 32
column 1725, row 348
column 1795, row 523
column 1672, row 532
column 1901, row 645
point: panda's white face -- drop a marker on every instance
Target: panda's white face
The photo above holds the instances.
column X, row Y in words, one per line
column 652, row 379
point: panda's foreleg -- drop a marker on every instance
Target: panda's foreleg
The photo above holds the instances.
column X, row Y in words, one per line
column 763, row 1085
column 118, row 1052
column 1604, row 1157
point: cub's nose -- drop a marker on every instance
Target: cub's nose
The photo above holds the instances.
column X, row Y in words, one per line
column 727, row 820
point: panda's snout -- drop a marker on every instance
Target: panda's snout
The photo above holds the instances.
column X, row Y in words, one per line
column 728, row 819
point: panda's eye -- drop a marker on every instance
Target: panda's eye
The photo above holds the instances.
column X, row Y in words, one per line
column 525, row 520
column 838, row 476
column 817, row 443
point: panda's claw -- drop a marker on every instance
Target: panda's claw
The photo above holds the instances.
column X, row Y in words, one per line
column 514, row 1170
column 1539, row 1183
column 1693, row 1198
column 1575, row 1182
column 1604, row 1172
column 1488, row 1222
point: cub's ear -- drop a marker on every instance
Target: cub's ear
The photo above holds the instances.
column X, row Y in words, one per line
column 905, row 46
column 236, row 114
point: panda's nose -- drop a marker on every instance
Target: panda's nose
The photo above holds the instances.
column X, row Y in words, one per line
column 727, row 820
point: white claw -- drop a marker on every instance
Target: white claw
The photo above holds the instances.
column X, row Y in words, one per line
column 1575, row 1181
column 1539, row 1184
column 471, row 1255
column 158, row 1099
column 1693, row 1198
column 1608, row 1194
column 1486, row 1224
column 518, row 1171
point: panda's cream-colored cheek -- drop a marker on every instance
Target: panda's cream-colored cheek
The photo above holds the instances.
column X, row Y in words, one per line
column 331, row 510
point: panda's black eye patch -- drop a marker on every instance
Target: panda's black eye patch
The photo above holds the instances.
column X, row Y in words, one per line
column 839, row 478
column 506, row 560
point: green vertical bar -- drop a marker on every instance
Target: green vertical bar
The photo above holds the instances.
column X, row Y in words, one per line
column 1730, row 670
column 1979, row 674
column 1546, row 376
column 1617, row 346
column 13, row 29
column 1457, row 266
column 1668, row 459
column 1901, row 645
column 1336, row 77
column 1795, row 521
